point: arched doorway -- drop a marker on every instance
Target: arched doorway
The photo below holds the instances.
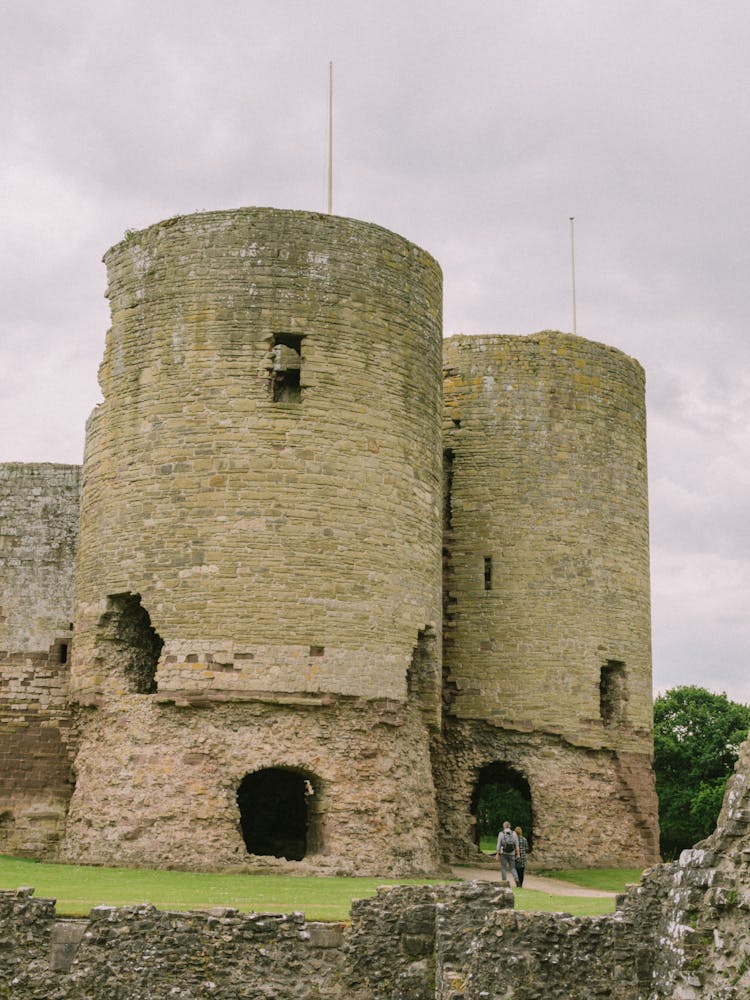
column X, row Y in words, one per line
column 277, row 814
column 500, row 792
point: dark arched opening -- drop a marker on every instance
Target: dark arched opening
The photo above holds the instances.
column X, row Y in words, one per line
column 501, row 793
column 277, row 814
column 128, row 644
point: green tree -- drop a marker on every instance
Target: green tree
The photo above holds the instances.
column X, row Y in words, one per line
column 497, row 803
column 697, row 736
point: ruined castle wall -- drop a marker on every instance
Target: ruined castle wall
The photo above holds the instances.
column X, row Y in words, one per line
column 549, row 482
column 38, row 531
column 139, row 953
column 700, row 945
column 587, row 804
column 371, row 811
column 278, row 544
column 408, row 943
column 262, row 495
column 681, row 934
column 547, row 615
column 38, row 740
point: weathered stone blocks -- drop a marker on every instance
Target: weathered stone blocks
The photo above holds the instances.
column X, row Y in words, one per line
column 264, row 475
column 264, row 513
column 547, row 612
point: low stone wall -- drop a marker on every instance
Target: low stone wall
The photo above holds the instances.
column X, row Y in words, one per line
column 140, row 953
column 405, row 943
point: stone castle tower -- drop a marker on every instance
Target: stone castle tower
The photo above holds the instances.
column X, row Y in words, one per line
column 285, row 506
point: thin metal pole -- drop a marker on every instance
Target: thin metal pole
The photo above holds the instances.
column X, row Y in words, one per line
column 330, row 138
column 573, row 266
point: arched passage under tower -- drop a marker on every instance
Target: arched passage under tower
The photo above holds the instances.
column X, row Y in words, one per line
column 501, row 792
column 278, row 814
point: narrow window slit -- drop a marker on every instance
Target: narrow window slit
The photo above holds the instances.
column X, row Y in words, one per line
column 488, row 572
column 286, row 368
column 448, row 458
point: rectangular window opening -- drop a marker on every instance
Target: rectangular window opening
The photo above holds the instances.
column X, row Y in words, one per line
column 488, row 572
column 612, row 696
column 286, row 368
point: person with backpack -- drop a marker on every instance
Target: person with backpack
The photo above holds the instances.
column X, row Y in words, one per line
column 507, row 851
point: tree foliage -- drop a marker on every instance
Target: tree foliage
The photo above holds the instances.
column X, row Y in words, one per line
column 500, row 802
column 697, row 736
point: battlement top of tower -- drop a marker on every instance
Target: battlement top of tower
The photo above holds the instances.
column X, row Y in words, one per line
column 552, row 342
column 266, row 217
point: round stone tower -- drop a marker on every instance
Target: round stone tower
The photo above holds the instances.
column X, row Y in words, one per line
column 258, row 586
column 547, row 614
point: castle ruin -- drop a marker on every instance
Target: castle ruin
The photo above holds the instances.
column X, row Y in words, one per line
column 323, row 575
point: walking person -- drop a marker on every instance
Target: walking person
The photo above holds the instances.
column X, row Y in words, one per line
column 507, row 851
column 523, row 850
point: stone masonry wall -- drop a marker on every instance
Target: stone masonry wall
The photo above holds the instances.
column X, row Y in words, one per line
column 139, row 953
column 587, row 805
column 268, row 450
column 38, row 740
column 701, row 945
column 283, row 545
column 679, row 935
column 408, row 943
column 548, row 480
column 39, row 506
column 546, row 658
column 165, row 792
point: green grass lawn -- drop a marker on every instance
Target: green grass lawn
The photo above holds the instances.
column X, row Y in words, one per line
column 607, row 879
column 77, row 888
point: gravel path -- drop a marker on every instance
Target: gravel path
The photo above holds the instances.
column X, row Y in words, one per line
column 553, row 886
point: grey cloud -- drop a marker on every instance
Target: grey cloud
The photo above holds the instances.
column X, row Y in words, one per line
column 473, row 129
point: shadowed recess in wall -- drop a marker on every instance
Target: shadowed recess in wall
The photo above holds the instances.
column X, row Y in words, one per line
column 277, row 814
column 501, row 793
column 127, row 644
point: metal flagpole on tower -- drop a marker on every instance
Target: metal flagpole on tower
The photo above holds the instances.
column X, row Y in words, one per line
column 330, row 138
column 573, row 266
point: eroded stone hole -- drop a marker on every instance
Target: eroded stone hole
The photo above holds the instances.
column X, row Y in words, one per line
column 612, row 692
column 128, row 644
column 501, row 792
column 286, row 368
column 278, row 813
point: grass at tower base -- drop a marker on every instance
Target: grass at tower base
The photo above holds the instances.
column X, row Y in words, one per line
column 78, row 888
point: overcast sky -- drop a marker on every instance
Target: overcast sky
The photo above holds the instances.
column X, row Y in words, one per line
column 474, row 129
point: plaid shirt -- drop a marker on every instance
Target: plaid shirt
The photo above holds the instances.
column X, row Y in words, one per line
column 523, row 846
